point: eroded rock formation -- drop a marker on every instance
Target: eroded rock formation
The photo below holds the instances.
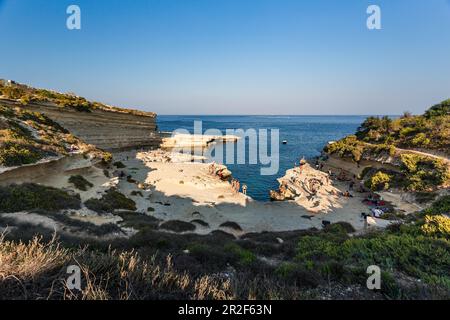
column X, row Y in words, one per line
column 105, row 129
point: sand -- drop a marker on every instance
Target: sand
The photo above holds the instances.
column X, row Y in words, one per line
column 175, row 186
column 185, row 190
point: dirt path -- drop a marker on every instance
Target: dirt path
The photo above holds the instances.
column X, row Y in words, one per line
column 431, row 155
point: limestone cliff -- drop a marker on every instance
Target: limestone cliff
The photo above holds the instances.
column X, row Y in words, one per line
column 106, row 129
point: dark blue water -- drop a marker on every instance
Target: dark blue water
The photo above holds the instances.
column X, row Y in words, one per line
column 306, row 136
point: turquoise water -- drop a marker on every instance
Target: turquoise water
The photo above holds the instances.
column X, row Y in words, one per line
column 306, row 136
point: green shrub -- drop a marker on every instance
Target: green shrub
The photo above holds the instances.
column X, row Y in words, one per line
column 437, row 225
column 16, row 154
column 379, row 181
column 246, row 257
column 31, row 196
column 440, row 206
column 80, row 182
column 431, row 130
column 441, row 109
column 347, row 147
column 423, row 172
column 119, row 165
column 420, row 140
column 404, row 251
column 364, row 172
column 110, row 201
column 107, row 157
column 177, row 226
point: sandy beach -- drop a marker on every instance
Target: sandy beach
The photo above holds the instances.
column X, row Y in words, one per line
column 180, row 189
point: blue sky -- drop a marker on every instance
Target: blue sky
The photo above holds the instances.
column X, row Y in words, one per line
column 234, row 56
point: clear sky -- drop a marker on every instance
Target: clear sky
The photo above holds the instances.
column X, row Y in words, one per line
column 234, row 56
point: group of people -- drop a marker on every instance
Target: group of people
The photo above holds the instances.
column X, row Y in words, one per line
column 236, row 186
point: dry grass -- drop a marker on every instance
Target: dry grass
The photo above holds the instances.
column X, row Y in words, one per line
column 105, row 276
column 27, row 261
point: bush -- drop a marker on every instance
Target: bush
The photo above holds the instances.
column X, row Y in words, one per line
column 437, row 225
column 423, row 172
column 231, row 225
column 16, row 154
column 119, row 165
column 245, row 257
column 431, row 130
column 111, row 201
column 402, row 251
column 31, row 196
column 347, row 147
column 441, row 109
column 177, row 226
column 107, row 158
column 440, row 206
column 80, row 182
column 420, row 140
column 139, row 221
column 379, row 181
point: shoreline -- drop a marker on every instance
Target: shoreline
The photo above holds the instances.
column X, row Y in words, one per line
column 186, row 191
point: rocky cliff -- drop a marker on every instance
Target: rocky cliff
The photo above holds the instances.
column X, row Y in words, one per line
column 106, row 129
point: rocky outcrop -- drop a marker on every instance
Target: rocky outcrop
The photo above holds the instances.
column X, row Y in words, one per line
column 106, row 129
column 188, row 141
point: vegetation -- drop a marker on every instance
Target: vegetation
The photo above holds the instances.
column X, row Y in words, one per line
column 28, row 197
column 310, row 264
column 429, row 131
column 25, row 95
column 357, row 150
column 379, row 139
column 441, row 206
column 119, row 165
column 177, row 226
column 27, row 137
column 231, row 225
column 80, row 182
column 16, row 154
column 439, row 110
column 423, row 172
column 379, row 181
column 111, row 201
column 437, row 226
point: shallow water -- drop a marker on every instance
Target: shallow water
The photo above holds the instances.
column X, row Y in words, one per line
column 306, row 136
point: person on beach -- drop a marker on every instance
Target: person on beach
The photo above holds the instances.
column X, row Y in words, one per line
column 244, row 189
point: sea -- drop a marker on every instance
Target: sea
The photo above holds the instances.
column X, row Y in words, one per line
column 305, row 137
